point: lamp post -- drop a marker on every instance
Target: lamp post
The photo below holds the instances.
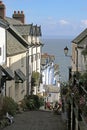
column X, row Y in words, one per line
column 69, row 104
column 66, row 50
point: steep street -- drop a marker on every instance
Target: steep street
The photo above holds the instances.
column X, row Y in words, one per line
column 37, row 120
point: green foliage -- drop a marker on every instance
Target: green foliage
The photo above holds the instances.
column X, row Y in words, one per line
column 32, row 102
column 29, row 102
column 36, row 101
column 83, row 80
column 77, row 75
column 41, row 100
column 9, row 105
column 85, row 110
column 64, row 88
column 35, row 75
column 23, row 105
column 35, row 78
column 3, row 123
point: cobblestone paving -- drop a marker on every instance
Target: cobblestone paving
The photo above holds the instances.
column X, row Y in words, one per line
column 37, row 120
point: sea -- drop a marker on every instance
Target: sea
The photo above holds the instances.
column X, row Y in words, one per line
column 56, row 47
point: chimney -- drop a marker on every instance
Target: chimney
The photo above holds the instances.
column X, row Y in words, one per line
column 19, row 16
column 2, row 10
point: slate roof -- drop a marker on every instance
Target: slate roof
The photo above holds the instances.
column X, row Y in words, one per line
column 13, row 45
column 24, row 29
column 20, row 74
column 80, row 37
column 14, row 35
column 28, row 29
column 37, row 30
column 18, row 23
column 14, row 40
column 4, row 23
column 17, row 35
column 12, row 21
column 7, row 71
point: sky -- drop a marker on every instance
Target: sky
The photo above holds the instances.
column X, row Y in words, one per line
column 56, row 17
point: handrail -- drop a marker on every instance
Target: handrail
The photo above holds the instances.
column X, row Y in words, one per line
column 83, row 89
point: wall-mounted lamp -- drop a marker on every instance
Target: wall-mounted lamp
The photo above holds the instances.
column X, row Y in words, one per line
column 66, row 51
column 70, row 68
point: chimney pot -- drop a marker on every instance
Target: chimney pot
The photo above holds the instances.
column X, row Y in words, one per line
column 0, row 2
column 22, row 12
column 18, row 12
column 2, row 10
column 19, row 16
column 14, row 12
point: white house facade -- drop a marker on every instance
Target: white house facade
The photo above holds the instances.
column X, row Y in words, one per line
column 47, row 69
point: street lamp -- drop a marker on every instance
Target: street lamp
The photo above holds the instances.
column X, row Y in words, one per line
column 66, row 52
column 69, row 103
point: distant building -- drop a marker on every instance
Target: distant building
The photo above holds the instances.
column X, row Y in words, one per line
column 56, row 74
column 49, row 72
column 47, row 68
column 52, row 93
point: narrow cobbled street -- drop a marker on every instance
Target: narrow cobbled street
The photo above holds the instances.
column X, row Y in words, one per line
column 37, row 120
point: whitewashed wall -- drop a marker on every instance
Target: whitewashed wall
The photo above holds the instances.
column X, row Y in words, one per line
column 2, row 45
